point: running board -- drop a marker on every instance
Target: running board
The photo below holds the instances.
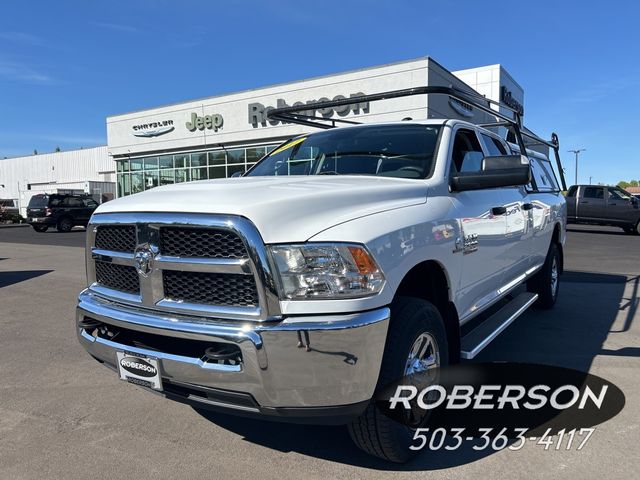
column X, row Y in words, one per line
column 483, row 334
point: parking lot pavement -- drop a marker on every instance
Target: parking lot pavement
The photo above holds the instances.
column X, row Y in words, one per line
column 62, row 415
column 74, row 238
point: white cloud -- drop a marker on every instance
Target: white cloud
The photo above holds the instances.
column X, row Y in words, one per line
column 23, row 73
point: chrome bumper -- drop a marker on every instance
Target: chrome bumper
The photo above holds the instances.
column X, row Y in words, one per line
column 340, row 366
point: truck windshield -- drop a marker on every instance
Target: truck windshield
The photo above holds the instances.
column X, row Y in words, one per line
column 404, row 151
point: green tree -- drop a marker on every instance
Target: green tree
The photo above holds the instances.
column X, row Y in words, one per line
column 57, row 149
column 623, row 184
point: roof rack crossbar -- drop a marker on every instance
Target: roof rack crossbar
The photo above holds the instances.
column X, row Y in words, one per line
column 294, row 114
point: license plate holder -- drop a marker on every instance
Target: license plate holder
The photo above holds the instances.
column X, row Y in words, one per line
column 139, row 370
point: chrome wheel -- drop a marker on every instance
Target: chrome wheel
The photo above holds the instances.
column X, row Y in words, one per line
column 424, row 355
column 554, row 277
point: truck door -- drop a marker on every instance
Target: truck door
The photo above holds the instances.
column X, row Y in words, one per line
column 517, row 218
column 482, row 227
column 591, row 203
column 621, row 208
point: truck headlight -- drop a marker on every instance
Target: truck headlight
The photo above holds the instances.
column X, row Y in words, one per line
column 326, row 271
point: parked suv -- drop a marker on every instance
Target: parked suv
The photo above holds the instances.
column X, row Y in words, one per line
column 62, row 211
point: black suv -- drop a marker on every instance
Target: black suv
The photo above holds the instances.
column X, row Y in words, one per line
column 60, row 210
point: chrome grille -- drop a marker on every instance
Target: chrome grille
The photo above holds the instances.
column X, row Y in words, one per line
column 118, row 277
column 228, row 290
column 117, row 238
column 201, row 243
column 213, row 266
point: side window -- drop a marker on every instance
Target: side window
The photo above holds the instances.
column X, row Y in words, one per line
column 594, row 192
column 89, row 202
column 572, row 191
column 494, row 146
column 72, row 202
column 543, row 174
column 467, row 153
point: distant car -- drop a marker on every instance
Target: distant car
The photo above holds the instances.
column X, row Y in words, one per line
column 8, row 211
column 603, row 205
column 62, row 211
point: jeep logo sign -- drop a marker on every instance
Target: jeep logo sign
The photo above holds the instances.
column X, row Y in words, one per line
column 210, row 122
column 258, row 112
column 138, row 366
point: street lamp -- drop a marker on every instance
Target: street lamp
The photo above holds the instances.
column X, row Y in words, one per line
column 577, row 152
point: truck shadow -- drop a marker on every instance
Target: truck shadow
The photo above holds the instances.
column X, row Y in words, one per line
column 9, row 278
column 570, row 335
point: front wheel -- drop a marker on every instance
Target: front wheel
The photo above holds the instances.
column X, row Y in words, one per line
column 40, row 228
column 65, row 225
column 546, row 282
column 416, row 342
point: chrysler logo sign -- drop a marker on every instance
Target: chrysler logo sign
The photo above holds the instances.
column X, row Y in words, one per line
column 153, row 129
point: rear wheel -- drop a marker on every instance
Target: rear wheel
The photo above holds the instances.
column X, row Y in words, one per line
column 416, row 342
column 65, row 224
column 546, row 282
column 40, row 228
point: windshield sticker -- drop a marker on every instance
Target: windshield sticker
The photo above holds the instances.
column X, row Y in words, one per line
column 291, row 144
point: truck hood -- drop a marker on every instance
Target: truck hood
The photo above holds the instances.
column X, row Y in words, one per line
column 284, row 209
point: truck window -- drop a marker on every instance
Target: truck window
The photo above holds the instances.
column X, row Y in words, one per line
column 594, row 192
column 572, row 191
column 467, row 153
column 494, row 146
column 543, row 174
column 617, row 194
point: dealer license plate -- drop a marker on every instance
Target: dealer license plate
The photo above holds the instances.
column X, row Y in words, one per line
column 140, row 370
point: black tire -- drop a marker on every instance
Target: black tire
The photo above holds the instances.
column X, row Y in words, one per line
column 542, row 282
column 637, row 229
column 65, row 225
column 374, row 432
column 40, row 228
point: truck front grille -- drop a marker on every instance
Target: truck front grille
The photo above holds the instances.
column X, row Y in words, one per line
column 211, row 266
column 118, row 277
column 229, row 290
column 117, row 238
column 201, row 243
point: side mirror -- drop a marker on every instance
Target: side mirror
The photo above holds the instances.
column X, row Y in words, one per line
column 634, row 200
column 496, row 171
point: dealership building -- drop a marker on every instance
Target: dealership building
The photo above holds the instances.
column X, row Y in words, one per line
column 215, row 137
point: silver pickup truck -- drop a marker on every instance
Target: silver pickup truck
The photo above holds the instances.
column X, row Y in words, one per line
column 603, row 205
column 344, row 260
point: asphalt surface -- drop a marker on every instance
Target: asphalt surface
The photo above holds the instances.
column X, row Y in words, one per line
column 62, row 415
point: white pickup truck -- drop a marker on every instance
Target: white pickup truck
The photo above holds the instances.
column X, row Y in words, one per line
column 344, row 260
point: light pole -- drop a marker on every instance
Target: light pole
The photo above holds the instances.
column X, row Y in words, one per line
column 577, row 152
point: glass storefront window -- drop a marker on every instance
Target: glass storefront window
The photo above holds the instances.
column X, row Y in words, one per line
column 235, row 156
column 182, row 175
column 137, row 184
column 150, row 179
column 166, row 161
column 255, row 154
column 181, row 161
column 231, row 169
column 217, row 172
column 149, row 172
column 199, row 159
column 166, row 177
column 199, row 173
column 136, row 164
column 218, row 157
column 151, row 163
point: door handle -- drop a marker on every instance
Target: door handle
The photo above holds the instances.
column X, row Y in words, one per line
column 584, row 201
column 499, row 210
column 527, row 206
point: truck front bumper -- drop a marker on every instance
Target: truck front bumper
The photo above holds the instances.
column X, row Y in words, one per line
column 316, row 368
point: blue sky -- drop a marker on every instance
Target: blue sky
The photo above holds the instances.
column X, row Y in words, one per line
column 66, row 65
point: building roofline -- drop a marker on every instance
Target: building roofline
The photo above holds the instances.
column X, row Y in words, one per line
column 280, row 84
column 55, row 153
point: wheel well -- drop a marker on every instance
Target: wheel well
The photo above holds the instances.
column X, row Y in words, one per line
column 556, row 239
column 428, row 281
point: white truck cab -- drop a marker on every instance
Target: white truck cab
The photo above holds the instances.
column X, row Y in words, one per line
column 345, row 259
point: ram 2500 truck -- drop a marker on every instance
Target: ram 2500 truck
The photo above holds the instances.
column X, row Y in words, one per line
column 603, row 205
column 344, row 260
